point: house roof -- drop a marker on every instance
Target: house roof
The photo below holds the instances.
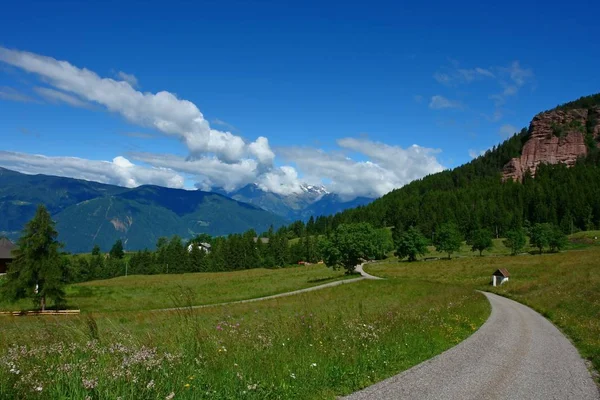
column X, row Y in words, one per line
column 502, row 272
column 6, row 247
column 262, row 239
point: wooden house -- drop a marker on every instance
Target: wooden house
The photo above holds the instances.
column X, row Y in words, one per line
column 6, row 248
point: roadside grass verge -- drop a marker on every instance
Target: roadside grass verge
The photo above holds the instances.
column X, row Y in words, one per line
column 148, row 292
column 316, row 345
column 564, row 287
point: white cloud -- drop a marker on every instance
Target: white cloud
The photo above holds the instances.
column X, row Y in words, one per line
column 215, row 158
column 162, row 111
column 389, row 167
column 283, row 180
column 507, row 131
column 440, row 102
column 54, row 96
column 129, row 78
column 261, row 150
column 208, row 171
column 11, row 94
column 118, row 172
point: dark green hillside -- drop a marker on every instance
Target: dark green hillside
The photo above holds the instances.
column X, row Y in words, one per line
column 473, row 195
column 142, row 215
column 89, row 213
column 20, row 194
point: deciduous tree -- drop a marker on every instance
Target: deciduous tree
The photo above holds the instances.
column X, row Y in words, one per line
column 411, row 243
column 448, row 239
column 481, row 240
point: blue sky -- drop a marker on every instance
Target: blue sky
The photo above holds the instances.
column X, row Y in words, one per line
column 333, row 93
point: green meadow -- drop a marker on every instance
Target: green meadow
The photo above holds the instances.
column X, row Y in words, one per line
column 314, row 345
column 148, row 292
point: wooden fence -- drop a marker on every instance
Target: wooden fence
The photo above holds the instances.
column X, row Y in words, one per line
column 47, row 312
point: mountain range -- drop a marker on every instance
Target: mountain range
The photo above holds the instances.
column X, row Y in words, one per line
column 89, row 213
column 313, row 201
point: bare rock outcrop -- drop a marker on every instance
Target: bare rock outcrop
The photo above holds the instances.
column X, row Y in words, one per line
column 557, row 136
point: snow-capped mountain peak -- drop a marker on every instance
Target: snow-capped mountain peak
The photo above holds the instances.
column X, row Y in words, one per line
column 320, row 189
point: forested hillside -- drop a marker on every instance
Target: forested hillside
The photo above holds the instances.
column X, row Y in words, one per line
column 473, row 195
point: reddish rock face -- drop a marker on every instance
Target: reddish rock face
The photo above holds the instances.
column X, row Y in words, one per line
column 556, row 137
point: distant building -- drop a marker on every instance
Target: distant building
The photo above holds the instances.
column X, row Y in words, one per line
column 500, row 276
column 6, row 248
column 202, row 246
column 263, row 240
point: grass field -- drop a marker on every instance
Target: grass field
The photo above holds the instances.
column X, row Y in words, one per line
column 147, row 292
column 315, row 345
column 564, row 287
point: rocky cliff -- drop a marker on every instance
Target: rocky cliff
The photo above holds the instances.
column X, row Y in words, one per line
column 558, row 136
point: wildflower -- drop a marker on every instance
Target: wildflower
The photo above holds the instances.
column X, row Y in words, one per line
column 313, row 365
column 253, row 387
column 89, row 384
column 187, row 385
column 191, row 377
column 150, row 384
column 219, row 327
column 39, row 388
column 170, row 396
column 293, row 376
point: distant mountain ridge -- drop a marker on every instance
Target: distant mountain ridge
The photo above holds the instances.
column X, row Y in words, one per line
column 313, row 201
column 89, row 213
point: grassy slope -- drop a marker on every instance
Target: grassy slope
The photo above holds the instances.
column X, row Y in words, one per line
column 147, row 292
column 312, row 346
column 564, row 287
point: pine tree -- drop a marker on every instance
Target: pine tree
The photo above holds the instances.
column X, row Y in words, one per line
column 37, row 269
column 117, row 250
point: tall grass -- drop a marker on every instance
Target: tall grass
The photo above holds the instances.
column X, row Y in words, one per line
column 311, row 346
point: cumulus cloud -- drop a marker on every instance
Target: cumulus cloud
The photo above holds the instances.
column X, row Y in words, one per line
column 55, row 96
column 440, row 102
column 162, row 111
column 283, row 180
column 389, row 167
column 215, row 158
column 208, row 172
column 120, row 171
column 261, row 150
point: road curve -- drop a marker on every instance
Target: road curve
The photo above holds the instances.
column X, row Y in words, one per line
column 361, row 271
column 516, row 354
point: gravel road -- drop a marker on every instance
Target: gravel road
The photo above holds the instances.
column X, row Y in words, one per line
column 516, row 354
